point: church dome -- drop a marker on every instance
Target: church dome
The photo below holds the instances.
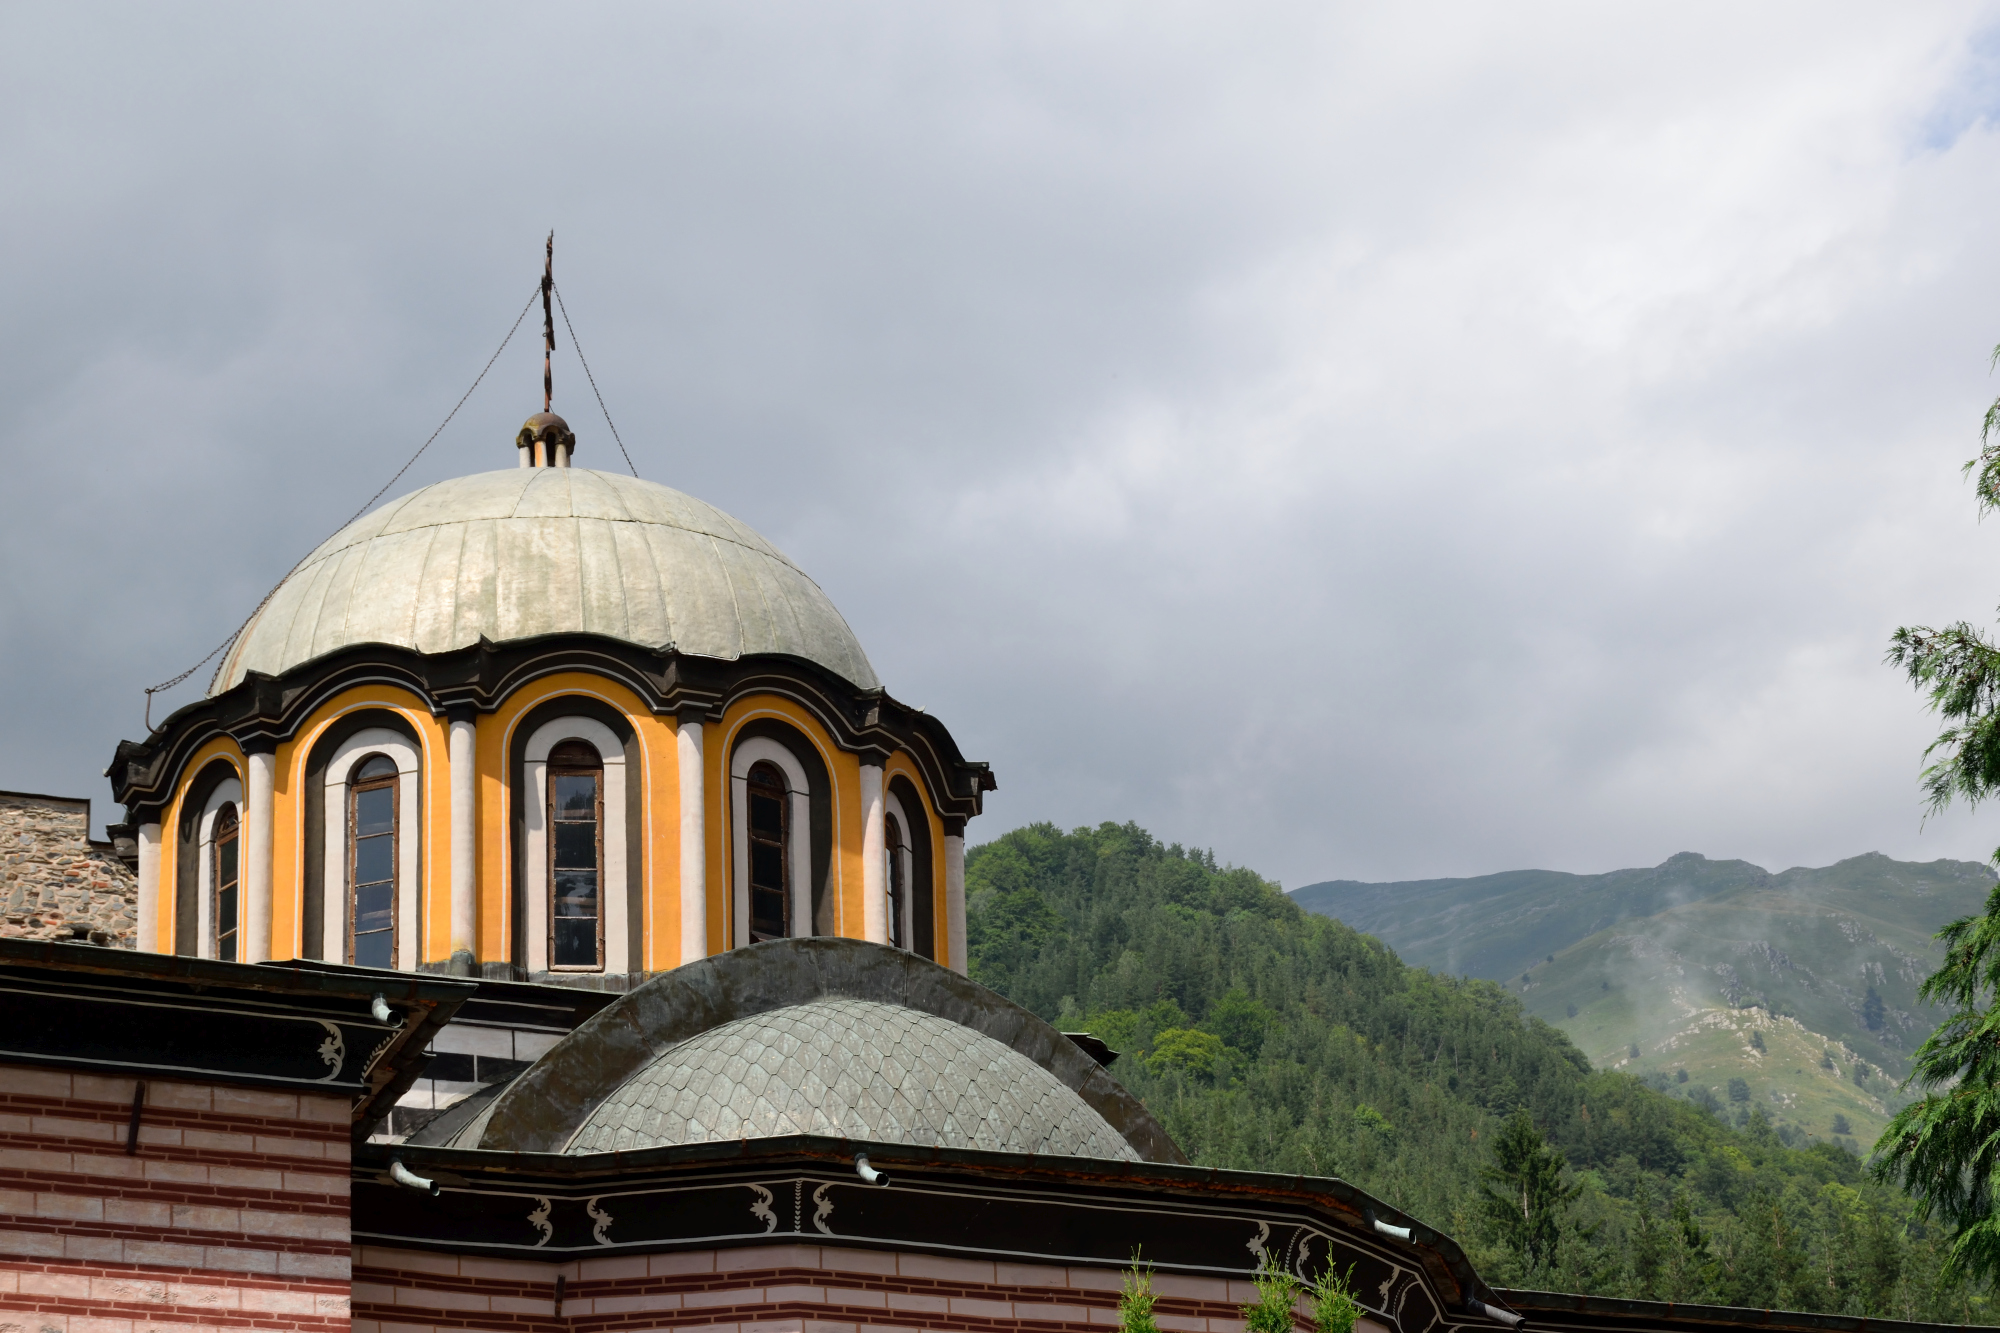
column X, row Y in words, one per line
column 855, row 1069
column 546, row 550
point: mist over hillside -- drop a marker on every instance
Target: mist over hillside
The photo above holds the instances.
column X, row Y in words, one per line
column 1796, row 991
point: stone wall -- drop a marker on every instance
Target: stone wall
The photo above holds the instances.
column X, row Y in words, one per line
column 58, row 882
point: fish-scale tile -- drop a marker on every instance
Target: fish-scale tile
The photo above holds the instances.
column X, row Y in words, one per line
column 858, row 1068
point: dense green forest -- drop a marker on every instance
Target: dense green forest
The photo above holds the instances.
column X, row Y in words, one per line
column 1269, row 1038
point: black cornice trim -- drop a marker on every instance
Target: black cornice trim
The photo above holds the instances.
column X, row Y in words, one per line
column 1160, row 1185
column 107, row 1005
column 264, row 710
column 1559, row 1310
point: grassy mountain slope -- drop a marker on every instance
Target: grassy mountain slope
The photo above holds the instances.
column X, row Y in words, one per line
column 1772, row 985
column 1268, row 1037
column 1714, row 968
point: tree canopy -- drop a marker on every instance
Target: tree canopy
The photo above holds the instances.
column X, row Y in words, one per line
column 1945, row 1147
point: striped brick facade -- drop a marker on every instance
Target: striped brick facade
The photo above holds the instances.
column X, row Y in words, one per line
column 232, row 1213
column 768, row 1289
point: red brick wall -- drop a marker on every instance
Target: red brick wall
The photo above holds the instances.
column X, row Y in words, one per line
column 767, row 1289
column 233, row 1214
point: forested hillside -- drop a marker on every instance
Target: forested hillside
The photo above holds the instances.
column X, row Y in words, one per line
column 1270, row 1038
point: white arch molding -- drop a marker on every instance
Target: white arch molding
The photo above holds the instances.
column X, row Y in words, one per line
column 227, row 792
column 909, row 867
column 798, row 854
column 336, row 897
column 614, row 898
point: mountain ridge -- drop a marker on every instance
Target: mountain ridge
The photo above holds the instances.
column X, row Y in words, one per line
column 1688, row 971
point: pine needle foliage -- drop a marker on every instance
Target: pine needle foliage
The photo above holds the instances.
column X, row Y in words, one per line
column 1945, row 1147
column 1334, row 1308
column 1985, row 469
column 1277, row 1292
column 1958, row 670
column 1136, row 1298
column 1528, row 1207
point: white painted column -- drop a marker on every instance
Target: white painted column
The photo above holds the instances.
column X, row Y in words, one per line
column 149, row 888
column 464, row 845
column 954, row 901
column 257, row 856
column 694, row 842
column 874, row 858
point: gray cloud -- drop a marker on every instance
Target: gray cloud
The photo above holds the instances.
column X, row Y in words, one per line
column 1372, row 443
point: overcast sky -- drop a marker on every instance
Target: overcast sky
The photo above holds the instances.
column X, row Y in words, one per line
column 1372, row 441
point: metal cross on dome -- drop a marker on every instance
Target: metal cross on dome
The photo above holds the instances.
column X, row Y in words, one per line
column 548, row 328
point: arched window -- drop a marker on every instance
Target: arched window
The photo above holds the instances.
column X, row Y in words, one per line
column 371, row 862
column 225, row 844
column 770, row 836
column 576, row 856
column 898, row 853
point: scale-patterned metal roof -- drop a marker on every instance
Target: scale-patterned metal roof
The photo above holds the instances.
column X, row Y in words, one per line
column 855, row 1069
column 531, row 551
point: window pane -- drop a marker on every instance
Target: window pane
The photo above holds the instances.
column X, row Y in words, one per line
column 766, row 814
column 373, row 904
column 575, row 795
column 896, row 897
column 372, row 949
column 576, row 846
column 576, row 893
column 375, row 811
column 375, row 766
column 575, row 942
column 225, row 925
column 767, row 866
column 373, row 859
column 767, row 913
column 225, row 862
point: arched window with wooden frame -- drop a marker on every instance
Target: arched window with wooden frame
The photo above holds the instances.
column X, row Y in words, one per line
column 576, row 857
column 225, row 873
column 373, row 829
column 770, row 835
column 897, row 852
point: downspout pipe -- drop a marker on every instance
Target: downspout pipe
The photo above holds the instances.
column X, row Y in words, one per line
column 869, row 1175
column 1475, row 1306
column 402, row 1175
column 1383, row 1228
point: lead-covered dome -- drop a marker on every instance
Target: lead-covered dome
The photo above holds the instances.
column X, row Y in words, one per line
column 852, row 1069
column 546, row 550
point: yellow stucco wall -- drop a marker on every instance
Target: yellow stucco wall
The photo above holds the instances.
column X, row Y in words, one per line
column 658, row 776
column 170, row 858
